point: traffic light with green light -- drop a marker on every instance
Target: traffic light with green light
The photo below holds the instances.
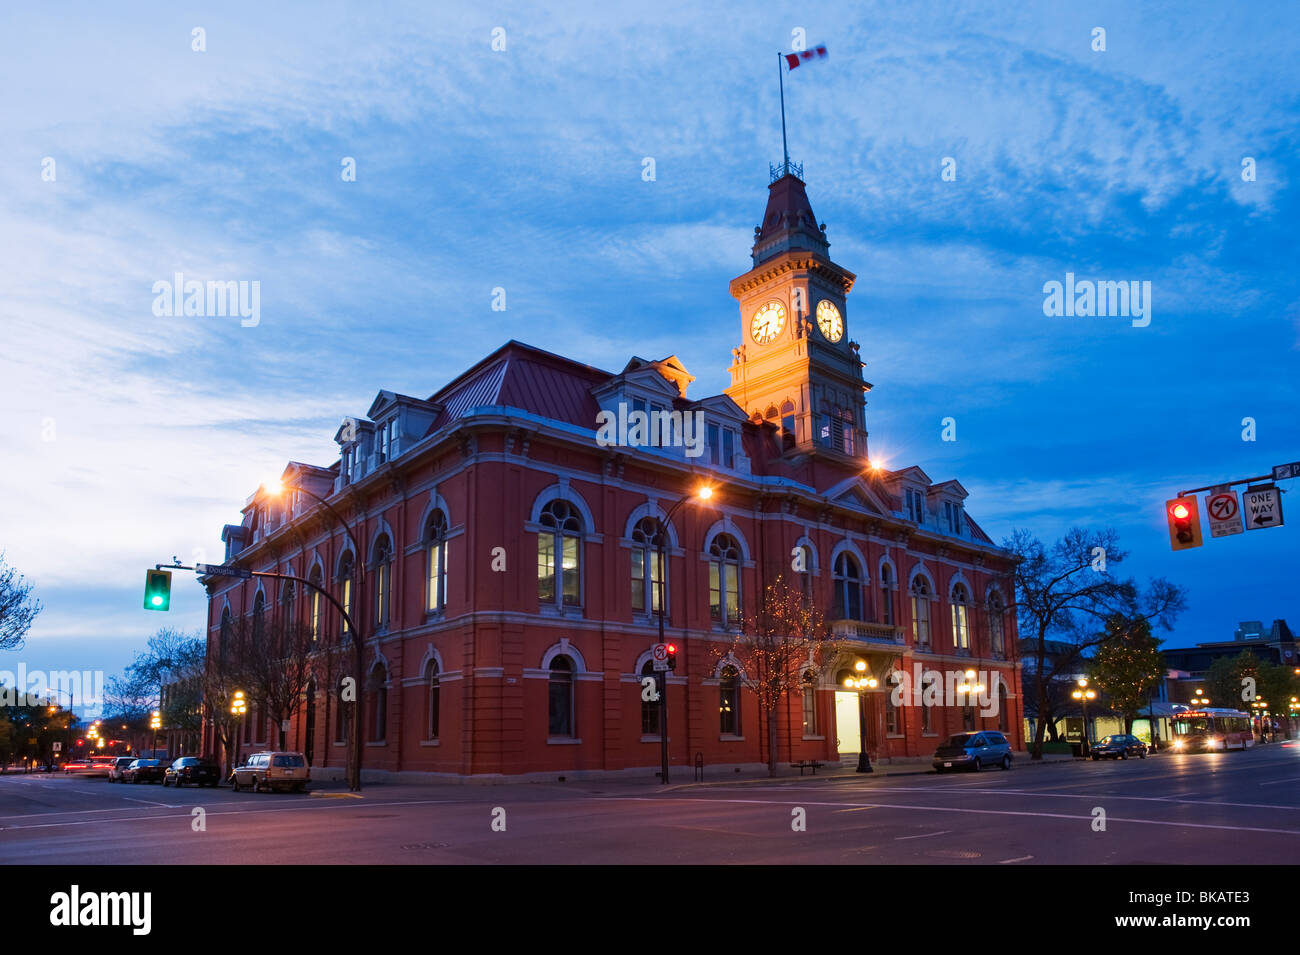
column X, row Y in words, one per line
column 157, row 589
column 1184, row 523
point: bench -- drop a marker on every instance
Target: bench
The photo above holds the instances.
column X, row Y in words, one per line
column 807, row 764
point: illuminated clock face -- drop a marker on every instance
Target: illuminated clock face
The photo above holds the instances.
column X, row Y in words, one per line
column 829, row 321
column 767, row 323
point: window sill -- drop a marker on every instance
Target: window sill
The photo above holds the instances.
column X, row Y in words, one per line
column 430, row 742
column 815, row 737
column 650, row 619
column 432, row 616
column 724, row 738
column 651, row 738
column 562, row 741
column 556, row 610
column 377, row 742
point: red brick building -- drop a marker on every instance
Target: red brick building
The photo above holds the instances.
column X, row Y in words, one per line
column 504, row 563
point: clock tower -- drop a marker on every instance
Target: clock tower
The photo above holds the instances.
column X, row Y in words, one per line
column 796, row 365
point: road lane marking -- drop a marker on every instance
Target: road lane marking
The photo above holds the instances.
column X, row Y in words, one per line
column 988, row 812
column 1274, row 782
column 304, row 806
column 1019, row 859
column 1165, row 799
column 925, row 835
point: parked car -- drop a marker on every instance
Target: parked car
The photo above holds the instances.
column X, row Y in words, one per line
column 975, row 750
column 76, row 766
column 119, row 765
column 1119, row 746
column 263, row 771
column 145, row 771
column 192, row 769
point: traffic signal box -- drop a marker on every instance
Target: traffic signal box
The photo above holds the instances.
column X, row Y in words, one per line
column 157, row 589
column 672, row 656
column 1184, row 523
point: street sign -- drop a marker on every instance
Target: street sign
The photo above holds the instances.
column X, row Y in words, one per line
column 1223, row 511
column 660, row 657
column 221, row 570
column 1261, row 507
column 57, row 746
column 1283, row 471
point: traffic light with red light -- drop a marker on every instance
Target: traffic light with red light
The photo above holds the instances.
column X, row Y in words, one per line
column 1184, row 523
column 672, row 656
column 157, row 589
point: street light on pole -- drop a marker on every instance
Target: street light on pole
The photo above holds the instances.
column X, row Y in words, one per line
column 1083, row 694
column 702, row 493
column 861, row 682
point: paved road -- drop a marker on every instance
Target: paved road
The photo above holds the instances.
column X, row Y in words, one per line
column 1231, row 808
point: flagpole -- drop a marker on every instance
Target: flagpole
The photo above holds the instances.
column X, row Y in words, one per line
column 785, row 150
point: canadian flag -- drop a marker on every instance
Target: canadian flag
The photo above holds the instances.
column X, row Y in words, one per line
column 806, row 56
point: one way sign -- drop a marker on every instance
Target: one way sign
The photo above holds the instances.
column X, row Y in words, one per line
column 1261, row 507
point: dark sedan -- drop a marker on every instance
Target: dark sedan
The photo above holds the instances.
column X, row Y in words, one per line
column 1119, row 746
column 192, row 769
column 145, row 771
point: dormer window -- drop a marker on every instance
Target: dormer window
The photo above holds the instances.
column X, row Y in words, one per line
column 952, row 516
column 914, row 502
column 722, row 446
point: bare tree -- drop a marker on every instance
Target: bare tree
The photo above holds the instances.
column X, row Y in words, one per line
column 1065, row 594
column 275, row 661
column 17, row 608
column 783, row 642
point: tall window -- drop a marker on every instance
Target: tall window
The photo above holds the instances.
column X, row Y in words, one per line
column 1003, row 718
column 920, row 612
column 729, row 702
column 848, row 588
column 960, row 618
column 809, row 704
column 787, row 422
column 315, row 603
column 286, row 605
column 952, row 516
column 223, row 635
column 887, row 584
column 649, row 710
column 927, row 719
column 724, row 580
column 378, row 693
column 558, row 550
column 891, row 711
column 383, row 580
column 434, row 700
column 915, row 502
column 722, row 446
column 560, row 697
column 968, row 718
column 646, row 571
column 997, row 642
column 806, row 578
column 342, row 713
column 345, row 584
column 435, row 542
column 259, row 615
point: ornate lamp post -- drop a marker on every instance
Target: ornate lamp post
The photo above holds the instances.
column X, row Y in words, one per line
column 862, row 683
column 1083, row 695
column 703, row 493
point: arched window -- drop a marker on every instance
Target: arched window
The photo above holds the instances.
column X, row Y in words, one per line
column 377, row 691
column 787, row 423
column 960, row 618
column 314, row 603
column 724, row 580
column 223, row 635
column 647, row 574
column 342, row 712
column 559, row 554
column 887, row 587
column 435, row 543
column 809, row 686
column 287, row 594
column 434, row 700
column 806, row 575
column 259, row 615
column 649, row 710
column 997, row 640
column 383, row 580
column 346, row 567
column 560, row 697
column 921, row 611
column 1003, row 719
column 848, row 588
column 891, row 711
column 729, row 702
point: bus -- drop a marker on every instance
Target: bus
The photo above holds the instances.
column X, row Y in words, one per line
column 1211, row 729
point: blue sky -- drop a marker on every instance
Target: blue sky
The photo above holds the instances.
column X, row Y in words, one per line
column 130, row 438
